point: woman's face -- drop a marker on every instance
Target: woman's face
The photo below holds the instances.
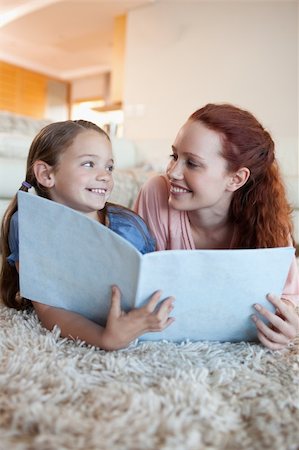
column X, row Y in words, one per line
column 197, row 172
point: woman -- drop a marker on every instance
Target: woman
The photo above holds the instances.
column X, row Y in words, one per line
column 223, row 190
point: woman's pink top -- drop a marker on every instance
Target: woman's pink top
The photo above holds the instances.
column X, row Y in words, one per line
column 172, row 230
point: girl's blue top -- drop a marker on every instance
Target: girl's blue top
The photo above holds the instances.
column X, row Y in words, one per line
column 121, row 220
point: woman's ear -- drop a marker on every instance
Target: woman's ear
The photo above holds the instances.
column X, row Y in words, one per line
column 238, row 179
column 43, row 173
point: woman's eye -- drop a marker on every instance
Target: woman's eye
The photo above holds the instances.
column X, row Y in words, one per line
column 192, row 164
column 110, row 168
column 88, row 164
column 173, row 156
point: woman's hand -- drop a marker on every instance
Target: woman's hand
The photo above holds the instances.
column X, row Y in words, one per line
column 283, row 325
column 122, row 328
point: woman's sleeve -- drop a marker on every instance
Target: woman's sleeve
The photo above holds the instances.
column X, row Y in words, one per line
column 152, row 206
column 291, row 287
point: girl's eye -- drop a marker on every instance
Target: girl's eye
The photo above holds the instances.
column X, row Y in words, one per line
column 88, row 164
column 173, row 156
column 110, row 168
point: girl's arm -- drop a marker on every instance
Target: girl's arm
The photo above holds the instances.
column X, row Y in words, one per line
column 121, row 328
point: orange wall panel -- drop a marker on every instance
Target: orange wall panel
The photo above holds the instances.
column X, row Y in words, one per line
column 22, row 91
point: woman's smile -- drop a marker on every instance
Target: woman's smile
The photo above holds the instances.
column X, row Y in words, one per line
column 177, row 189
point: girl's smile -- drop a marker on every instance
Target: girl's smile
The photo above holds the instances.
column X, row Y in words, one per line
column 98, row 191
column 83, row 179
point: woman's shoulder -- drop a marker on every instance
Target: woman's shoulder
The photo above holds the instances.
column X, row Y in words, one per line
column 154, row 193
column 158, row 183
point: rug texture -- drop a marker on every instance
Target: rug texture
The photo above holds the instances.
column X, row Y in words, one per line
column 59, row 394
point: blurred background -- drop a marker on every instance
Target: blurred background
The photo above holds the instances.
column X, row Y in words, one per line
column 140, row 68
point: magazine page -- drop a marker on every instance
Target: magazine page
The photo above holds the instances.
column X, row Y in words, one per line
column 70, row 261
column 214, row 289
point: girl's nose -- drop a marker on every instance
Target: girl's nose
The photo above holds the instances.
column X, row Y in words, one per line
column 103, row 175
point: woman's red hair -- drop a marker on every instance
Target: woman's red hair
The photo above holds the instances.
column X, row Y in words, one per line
column 260, row 208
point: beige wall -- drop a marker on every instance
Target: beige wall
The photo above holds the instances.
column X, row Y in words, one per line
column 96, row 86
column 179, row 57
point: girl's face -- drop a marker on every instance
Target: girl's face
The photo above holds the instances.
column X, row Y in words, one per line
column 83, row 179
column 197, row 172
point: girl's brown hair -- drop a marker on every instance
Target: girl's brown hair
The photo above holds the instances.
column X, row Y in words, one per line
column 47, row 146
column 259, row 209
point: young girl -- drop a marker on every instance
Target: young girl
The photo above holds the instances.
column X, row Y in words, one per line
column 223, row 190
column 71, row 163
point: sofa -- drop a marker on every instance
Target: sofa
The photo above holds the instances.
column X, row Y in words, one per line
column 135, row 163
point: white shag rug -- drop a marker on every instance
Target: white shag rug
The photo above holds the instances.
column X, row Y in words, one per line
column 57, row 394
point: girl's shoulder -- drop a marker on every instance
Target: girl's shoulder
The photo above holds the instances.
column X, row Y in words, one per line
column 14, row 220
column 118, row 212
column 130, row 226
column 14, row 225
column 120, row 215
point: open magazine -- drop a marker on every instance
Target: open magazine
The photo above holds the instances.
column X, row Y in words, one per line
column 70, row 261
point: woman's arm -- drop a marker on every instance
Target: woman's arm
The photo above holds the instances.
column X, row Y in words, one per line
column 291, row 287
column 281, row 327
column 152, row 205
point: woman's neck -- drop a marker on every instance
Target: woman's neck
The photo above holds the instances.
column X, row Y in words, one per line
column 210, row 231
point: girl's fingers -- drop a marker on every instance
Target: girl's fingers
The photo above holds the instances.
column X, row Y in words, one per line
column 165, row 308
column 160, row 319
column 115, row 308
column 153, row 302
column 159, row 326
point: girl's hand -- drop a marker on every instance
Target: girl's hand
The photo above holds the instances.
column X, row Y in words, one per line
column 122, row 328
column 283, row 325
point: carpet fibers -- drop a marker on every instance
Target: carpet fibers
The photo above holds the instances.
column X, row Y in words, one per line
column 59, row 394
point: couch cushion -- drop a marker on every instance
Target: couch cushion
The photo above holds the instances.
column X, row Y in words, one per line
column 12, row 173
column 14, row 145
column 16, row 123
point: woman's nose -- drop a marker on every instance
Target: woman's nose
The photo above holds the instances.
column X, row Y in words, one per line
column 174, row 171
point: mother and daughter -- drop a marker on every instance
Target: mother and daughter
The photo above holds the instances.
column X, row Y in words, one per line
column 221, row 190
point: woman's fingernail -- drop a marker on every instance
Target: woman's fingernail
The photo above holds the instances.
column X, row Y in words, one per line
column 257, row 307
column 254, row 318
